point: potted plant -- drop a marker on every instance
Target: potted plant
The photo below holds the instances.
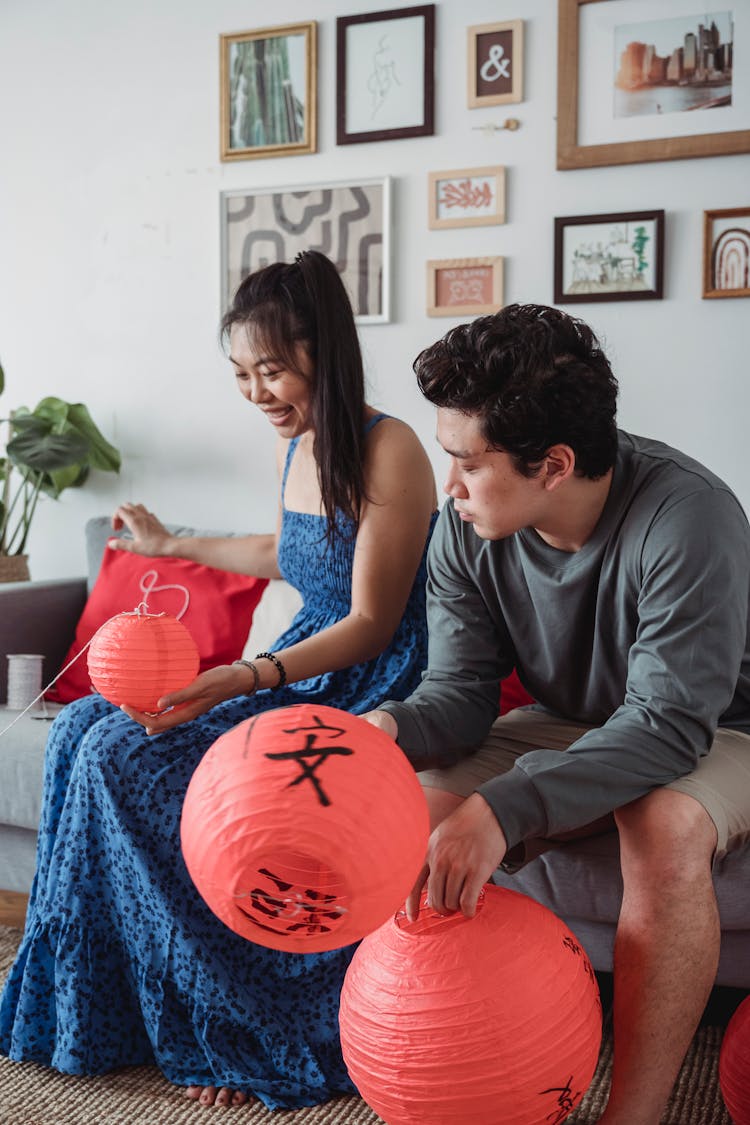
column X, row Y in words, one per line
column 49, row 449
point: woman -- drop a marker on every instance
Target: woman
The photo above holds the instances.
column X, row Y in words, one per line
column 121, row 961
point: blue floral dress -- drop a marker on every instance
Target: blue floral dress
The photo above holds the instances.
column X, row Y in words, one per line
column 121, row 962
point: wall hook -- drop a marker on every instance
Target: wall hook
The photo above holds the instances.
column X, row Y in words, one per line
column 510, row 123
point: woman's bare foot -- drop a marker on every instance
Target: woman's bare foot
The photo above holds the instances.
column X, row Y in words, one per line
column 216, row 1095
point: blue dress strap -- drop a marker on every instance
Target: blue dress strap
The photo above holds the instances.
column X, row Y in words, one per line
column 372, row 422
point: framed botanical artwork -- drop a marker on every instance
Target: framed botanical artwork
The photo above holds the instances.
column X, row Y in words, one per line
column 494, row 65
column 726, row 252
column 268, row 94
column 350, row 222
column 464, row 286
column 641, row 81
column 385, row 75
column 609, row 257
column 466, row 197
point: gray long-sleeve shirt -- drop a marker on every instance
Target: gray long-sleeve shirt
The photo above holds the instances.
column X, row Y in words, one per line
column 642, row 634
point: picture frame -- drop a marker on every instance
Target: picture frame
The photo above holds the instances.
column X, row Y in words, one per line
column 349, row 221
column 594, row 129
column 464, row 286
column 385, row 75
column 268, row 92
column 494, row 66
column 616, row 257
column 466, row 197
column 726, row 252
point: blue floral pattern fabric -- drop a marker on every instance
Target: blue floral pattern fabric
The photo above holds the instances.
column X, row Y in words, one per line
column 121, row 962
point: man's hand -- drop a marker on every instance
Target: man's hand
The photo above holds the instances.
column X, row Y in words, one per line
column 462, row 853
column 384, row 721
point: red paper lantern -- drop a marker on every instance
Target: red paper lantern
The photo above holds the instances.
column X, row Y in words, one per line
column 450, row 1020
column 136, row 658
column 304, row 828
column 734, row 1065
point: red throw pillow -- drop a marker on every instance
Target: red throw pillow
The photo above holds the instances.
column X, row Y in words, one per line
column 214, row 605
column 513, row 694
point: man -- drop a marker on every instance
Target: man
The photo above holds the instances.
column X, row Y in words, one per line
column 613, row 573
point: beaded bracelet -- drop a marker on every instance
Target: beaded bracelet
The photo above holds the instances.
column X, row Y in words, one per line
column 279, row 667
column 256, row 675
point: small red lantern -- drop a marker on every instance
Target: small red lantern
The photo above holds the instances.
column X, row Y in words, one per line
column 496, row 1018
column 734, row 1065
column 136, row 658
column 304, row 828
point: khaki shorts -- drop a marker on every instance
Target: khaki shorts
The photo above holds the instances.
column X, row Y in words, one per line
column 720, row 782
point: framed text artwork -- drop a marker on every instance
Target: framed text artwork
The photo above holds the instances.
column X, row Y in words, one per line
column 651, row 81
column 726, row 252
column 268, row 92
column 385, row 75
column 609, row 257
column 349, row 222
column 466, row 197
column 495, row 63
column 464, row 286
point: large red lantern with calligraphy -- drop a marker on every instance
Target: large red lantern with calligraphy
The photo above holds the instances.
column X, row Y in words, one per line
column 304, row 828
column 734, row 1065
column 496, row 1018
column 136, row 658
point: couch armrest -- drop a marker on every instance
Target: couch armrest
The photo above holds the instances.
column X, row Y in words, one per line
column 39, row 617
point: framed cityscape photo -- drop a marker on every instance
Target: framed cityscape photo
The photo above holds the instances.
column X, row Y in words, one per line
column 464, row 286
column 349, row 222
column 268, row 93
column 466, row 197
column 494, row 65
column 385, row 75
column 726, row 252
column 609, row 257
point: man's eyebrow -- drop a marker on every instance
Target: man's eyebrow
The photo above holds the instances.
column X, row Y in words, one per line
column 459, row 454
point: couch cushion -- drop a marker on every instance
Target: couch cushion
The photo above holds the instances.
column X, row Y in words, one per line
column 22, row 767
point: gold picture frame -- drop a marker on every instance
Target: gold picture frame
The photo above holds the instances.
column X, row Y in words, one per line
column 466, row 197
column 572, row 154
column 726, row 253
column 460, row 287
column 494, row 67
column 263, row 118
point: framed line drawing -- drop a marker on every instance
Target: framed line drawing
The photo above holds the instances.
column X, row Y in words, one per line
column 268, row 92
column 348, row 221
column 385, row 75
column 617, row 257
column 726, row 252
column 466, row 197
column 639, row 82
column 464, row 286
column 494, row 66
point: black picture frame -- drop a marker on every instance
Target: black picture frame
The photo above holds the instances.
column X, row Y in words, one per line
column 618, row 257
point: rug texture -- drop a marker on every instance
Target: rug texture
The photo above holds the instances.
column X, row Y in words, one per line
column 34, row 1095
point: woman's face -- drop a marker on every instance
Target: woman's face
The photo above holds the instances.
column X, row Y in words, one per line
column 284, row 396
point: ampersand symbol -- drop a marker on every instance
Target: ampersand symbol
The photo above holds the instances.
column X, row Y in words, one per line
column 493, row 69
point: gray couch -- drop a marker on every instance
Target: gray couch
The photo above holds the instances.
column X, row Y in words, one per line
column 580, row 881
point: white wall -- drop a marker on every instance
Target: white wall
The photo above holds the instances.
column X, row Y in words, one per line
column 109, row 248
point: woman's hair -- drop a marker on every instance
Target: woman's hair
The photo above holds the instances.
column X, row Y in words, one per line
column 534, row 377
column 305, row 302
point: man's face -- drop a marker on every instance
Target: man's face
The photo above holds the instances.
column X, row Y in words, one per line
column 487, row 490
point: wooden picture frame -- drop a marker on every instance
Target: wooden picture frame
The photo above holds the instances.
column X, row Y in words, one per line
column 617, row 257
column 261, row 118
column 466, row 197
column 464, row 286
column 349, row 221
column 726, row 252
column 494, row 66
column 385, row 75
column 579, row 85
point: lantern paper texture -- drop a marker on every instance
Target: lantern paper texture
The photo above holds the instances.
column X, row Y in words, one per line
column 734, row 1065
column 136, row 658
column 304, row 828
column 449, row 1020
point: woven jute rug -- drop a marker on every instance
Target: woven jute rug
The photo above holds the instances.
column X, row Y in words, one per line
column 34, row 1095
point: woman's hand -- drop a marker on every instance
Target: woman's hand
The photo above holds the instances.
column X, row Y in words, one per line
column 206, row 690
column 150, row 536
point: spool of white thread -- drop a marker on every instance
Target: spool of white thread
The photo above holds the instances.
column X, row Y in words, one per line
column 24, row 680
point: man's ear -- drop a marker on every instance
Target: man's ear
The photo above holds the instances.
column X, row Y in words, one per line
column 559, row 466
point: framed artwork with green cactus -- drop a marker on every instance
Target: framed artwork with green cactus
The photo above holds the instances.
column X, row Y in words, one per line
column 269, row 92
column 609, row 257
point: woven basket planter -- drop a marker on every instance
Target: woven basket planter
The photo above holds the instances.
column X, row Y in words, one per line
column 14, row 568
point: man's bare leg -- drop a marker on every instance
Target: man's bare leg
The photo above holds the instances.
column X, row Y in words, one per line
column 666, row 950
